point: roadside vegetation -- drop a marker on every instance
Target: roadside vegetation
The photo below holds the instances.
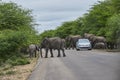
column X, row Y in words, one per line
column 16, row 31
column 19, row 72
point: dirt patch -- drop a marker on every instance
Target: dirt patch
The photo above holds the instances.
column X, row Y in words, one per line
column 18, row 72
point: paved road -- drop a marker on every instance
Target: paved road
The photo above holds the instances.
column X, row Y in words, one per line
column 79, row 65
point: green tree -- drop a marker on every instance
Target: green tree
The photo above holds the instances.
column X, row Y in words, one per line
column 113, row 33
column 14, row 17
column 96, row 19
column 16, row 30
column 48, row 33
column 10, row 42
column 116, row 5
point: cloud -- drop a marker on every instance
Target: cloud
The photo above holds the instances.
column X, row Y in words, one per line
column 53, row 16
column 51, row 13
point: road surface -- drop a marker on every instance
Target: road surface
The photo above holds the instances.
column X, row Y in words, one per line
column 79, row 65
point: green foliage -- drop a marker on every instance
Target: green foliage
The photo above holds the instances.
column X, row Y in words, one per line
column 49, row 33
column 10, row 42
column 113, row 33
column 69, row 28
column 10, row 72
column 17, row 59
column 14, row 17
column 16, row 31
column 116, row 6
column 97, row 18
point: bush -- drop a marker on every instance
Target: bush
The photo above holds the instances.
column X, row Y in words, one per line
column 16, row 30
column 17, row 60
column 10, row 42
column 113, row 24
column 10, row 72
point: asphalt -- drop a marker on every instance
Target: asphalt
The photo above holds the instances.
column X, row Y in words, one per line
column 79, row 65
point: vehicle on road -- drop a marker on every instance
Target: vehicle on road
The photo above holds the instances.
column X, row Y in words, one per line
column 83, row 44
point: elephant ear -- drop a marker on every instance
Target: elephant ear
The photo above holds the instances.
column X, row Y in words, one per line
column 45, row 40
column 67, row 38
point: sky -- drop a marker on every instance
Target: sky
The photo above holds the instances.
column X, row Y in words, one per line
column 50, row 14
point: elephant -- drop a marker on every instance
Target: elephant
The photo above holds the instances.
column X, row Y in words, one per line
column 97, row 39
column 100, row 45
column 71, row 41
column 32, row 50
column 64, row 43
column 88, row 36
column 54, row 43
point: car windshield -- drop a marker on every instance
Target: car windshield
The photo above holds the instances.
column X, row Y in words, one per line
column 83, row 41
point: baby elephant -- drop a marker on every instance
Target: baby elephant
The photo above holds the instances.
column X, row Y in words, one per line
column 32, row 50
column 100, row 45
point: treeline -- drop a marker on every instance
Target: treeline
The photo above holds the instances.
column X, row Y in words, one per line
column 16, row 31
column 102, row 19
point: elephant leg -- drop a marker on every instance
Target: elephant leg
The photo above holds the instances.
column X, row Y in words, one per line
column 59, row 53
column 72, row 46
column 63, row 53
column 51, row 53
column 69, row 47
column 46, row 54
column 41, row 53
column 105, row 45
column 35, row 53
column 30, row 54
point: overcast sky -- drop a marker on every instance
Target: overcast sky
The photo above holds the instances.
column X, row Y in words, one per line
column 52, row 13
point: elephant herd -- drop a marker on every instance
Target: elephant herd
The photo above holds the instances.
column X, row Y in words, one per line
column 59, row 44
column 49, row 44
column 96, row 41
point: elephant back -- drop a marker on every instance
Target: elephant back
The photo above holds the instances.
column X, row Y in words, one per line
column 99, row 39
column 74, row 39
column 55, row 43
column 89, row 36
column 52, row 43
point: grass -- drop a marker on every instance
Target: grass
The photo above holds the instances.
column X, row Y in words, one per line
column 10, row 72
column 18, row 72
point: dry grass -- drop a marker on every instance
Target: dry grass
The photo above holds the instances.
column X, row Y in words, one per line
column 17, row 72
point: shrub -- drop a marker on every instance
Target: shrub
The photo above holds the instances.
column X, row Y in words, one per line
column 113, row 33
column 15, row 60
column 10, row 41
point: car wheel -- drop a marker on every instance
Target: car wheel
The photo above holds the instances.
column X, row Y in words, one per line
column 77, row 49
column 90, row 49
